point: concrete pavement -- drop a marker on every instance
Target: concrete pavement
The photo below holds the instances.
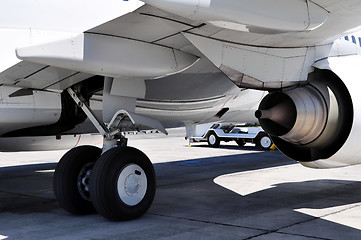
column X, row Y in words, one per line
column 203, row 193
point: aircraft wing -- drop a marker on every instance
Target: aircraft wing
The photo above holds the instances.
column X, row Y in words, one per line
column 39, row 76
column 281, row 23
column 143, row 44
column 160, row 42
column 138, row 39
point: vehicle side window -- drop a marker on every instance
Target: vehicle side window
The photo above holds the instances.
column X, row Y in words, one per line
column 227, row 128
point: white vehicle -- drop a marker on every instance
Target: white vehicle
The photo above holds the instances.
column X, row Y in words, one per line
column 240, row 133
column 110, row 66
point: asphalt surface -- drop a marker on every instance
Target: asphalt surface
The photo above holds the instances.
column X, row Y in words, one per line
column 202, row 193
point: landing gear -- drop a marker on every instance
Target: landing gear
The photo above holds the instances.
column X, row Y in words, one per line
column 117, row 181
column 71, row 179
column 120, row 185
column 123, row 184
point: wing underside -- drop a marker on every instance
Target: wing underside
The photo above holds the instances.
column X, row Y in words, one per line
column 155, row 40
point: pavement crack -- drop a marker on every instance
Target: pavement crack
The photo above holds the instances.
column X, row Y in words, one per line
column 288, row 234
column 265, row 231
column 305, row 221
column 207, row 222
column 341, row 210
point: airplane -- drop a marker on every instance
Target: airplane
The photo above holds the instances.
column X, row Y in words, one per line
column 111, row 66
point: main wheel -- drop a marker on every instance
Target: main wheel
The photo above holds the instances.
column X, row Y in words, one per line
column 213, row 140
column 71, row 179
column 264, row 141
column 123, row 184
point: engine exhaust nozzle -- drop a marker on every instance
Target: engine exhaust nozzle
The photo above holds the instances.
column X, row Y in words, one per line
column 298, row 116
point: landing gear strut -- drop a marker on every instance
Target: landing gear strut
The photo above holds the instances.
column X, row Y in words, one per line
column 118, row 182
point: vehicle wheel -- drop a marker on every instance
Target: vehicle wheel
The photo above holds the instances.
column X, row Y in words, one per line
column 264, row 141
column 123, row 184
column 240, row 142
column 213, row 140
column 71, row 179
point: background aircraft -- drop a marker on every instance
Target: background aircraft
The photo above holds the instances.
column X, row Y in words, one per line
column 108, row 67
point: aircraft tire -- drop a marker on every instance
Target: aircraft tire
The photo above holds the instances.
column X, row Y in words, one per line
column 213, row 140
column 123, row 184
column 71, row 179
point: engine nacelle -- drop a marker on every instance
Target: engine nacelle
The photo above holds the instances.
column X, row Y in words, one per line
column 243, row 15
column 318, row 124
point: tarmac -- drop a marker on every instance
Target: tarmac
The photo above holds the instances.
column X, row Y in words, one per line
column 202, row 193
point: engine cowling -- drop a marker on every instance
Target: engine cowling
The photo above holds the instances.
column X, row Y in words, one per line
column 243, row 15
column 318, row 124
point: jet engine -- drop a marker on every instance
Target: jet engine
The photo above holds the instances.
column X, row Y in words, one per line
column 317, row 124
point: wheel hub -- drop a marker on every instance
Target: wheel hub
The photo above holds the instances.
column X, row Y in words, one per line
column 265, row 142
column 132, row 184
column 83, row 181
column 212, row 139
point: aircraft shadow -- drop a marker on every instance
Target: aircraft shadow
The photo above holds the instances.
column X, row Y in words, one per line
column 191, row 189
column 28, row 188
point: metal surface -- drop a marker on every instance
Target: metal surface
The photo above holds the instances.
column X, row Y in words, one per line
column 82, row 104
column 311, row 115
column 119, row 57
column 111, row 135
column 84, row 179
column 246, row 16
column 265, row 142
column 212, row 139
column 135, row 120
column 347, row 69
column 38, row 109
column 310, row 111
column 132, row 184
